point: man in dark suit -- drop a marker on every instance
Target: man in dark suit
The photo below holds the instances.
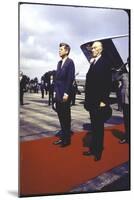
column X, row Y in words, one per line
column 63, row 84
column 97, row 90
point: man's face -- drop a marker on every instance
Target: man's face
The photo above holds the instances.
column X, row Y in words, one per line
column 63, row 52
column 96, row 49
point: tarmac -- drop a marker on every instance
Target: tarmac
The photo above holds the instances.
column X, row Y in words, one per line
column 38, row 120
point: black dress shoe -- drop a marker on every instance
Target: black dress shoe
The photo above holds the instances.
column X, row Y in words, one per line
column 57, row 142
column 97, row 157
column 59, row 134
column 65, row 144
column 87, row 153
column 123, row 141
column 71, row 132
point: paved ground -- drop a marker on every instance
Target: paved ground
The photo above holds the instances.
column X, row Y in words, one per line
column 38, row 119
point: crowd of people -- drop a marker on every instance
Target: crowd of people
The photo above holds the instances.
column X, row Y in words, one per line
column 45, row 86
column 62, row 88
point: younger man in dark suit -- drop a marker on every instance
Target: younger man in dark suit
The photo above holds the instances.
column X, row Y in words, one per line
column 63, row 85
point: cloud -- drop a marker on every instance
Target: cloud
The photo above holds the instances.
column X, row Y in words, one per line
column 43, row 27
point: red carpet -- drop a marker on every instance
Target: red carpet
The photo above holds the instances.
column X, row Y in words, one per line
column 49, row 169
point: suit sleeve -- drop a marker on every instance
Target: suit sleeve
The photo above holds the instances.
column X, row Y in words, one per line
column 70, row 77
column 86, row 89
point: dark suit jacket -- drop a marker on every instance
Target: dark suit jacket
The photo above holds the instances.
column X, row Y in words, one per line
column 64, row 79
column 98, row 84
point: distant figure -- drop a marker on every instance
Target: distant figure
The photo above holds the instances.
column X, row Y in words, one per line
column 46, row 87
column 35, row 85
column 42, row 89
column 74, row 92
column 119, row 98
column 117, row 88
column 97, row 90
column 22, row 87
column 124, row 78
column 51, row 90
column 63, row 83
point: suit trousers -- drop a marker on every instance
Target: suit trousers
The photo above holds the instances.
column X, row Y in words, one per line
column 64, row 115
column 97, row 125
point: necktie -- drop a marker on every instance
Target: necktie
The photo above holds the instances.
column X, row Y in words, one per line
column 92, row 65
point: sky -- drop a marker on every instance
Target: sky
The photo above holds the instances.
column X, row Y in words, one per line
column 43, row 27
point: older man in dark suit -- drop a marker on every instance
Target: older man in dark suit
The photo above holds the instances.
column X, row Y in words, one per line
column 63, row 85
column 97, row 90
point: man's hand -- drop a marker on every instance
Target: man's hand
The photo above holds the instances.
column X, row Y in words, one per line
column 65, row 97
column 102, row 104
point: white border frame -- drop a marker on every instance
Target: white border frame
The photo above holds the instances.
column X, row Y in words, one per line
column 9, row 101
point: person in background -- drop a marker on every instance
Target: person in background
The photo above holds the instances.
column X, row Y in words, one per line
column 50, row 90
column 42, row 89
column 119, row 97
column 124, row 79
column 74, row 92
column 22, row 87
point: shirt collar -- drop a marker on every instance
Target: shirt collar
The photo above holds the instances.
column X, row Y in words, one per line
column 63, row 60
column 94, row 60
column 97, row 58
